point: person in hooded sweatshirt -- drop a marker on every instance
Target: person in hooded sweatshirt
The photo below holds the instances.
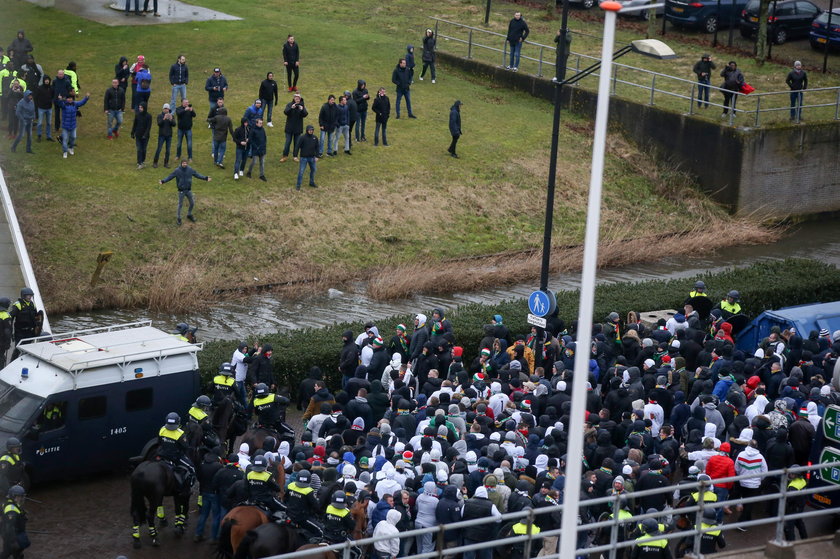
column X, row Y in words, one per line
column 750, row 462
column 455, row 127
column 348, row 359
column 141, row 130
column 69, row 110
column 221, row 125
column 387, row 548
column 361, row 96
column 427, row 503
column 43, row 96
column 25, row 113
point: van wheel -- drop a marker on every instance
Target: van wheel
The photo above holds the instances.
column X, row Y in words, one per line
column 780, row 37
column 588, row 4
column 711, row 24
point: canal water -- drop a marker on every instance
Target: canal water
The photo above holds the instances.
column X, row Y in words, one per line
column 265, row 312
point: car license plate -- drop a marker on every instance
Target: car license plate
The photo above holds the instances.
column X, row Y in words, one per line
column 821, row 40
column 678, row 10
column 753, row 19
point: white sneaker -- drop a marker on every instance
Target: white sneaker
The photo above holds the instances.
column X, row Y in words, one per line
column 421, row 78
column 507, row 67
column 271, row 125
column 515, row 69
column 433, row 81
column 64, row 155
column 236, row 176
column 71, row 152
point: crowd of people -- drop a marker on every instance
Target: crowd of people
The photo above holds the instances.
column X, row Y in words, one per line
column 417, row 436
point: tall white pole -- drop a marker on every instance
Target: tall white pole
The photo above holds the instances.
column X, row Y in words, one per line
column 574, row 452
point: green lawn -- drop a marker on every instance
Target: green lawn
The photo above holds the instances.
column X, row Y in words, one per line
column 377, row 210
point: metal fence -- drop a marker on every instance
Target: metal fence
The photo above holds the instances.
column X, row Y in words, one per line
column 613, row 526
column 670, row 92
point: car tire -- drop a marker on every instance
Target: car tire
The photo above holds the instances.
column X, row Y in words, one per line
column 710, row 24
column 588, row 4
column 745, row 33
column 780, row 36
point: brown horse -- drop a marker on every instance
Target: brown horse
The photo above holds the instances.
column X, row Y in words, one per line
column 276, row 539
column 235, row 525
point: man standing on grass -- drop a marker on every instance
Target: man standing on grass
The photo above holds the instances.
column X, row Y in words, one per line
column 25, row 113
column 295, row 113
column 401, row 77
column 185, row 114
column 165, row 122
column 141, row 130
column 328, row 122
column 221, row 125
column 703, row 69
column 291, row 60
column 258, row 143
column 269, row 96
column 308, row 148
column 183, row 176
column 216, row 87
column 179, row 77
column 454, row 127
column 114, row 108
column 516, row 35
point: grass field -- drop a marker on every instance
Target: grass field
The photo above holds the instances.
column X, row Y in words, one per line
column 393, row 214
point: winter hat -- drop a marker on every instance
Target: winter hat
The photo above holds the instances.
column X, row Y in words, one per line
column 310, row 127
column 378, row 342
column 693, row 470
column 401, row 327
column 478, row 377
column 485, row 352
column 797, row 64
column 497, row 318
column 746, row 434
column 515, row 366
column 725, row 447
column 166, row 106
column 457, row 351
column 824, row 333
column 650, row 363
column 358, row 424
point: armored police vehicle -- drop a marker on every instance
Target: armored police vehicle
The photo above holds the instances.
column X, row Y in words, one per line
column 86, row 401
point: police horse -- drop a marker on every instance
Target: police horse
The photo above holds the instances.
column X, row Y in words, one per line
column 276, row 538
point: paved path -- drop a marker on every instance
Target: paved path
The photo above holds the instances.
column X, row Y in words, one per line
column 11, row 278
column 112, row 13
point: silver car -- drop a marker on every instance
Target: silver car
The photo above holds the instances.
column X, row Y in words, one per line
column 643, row 14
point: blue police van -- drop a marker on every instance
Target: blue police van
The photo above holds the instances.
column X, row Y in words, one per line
column 87, row 401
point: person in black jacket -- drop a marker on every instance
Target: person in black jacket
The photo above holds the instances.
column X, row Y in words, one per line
column 516, row 35
column 352, row 115
column 295, row 112
column 165, row 122
column 348, row 360
column 261, row 370
column 269, row 96
column 205, row 474
column 43, row 95
column 361, row 96
column 454, row 127
column 428, row 55
column 183, row 176
column 114, row 107
column 307, row 386
column 258, row 143
column 382, row 109
column 140, row 131
column 307, row 148
column 328, row 122
column 797, row 81
column 291, row 60
column 401, row 77
column 240, row 140
column 179, row 77
column 222, row 481
column 185, row 114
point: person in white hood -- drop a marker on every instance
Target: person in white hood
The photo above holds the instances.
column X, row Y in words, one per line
column 749, row 462
column 498, row 400
column 244, row 456
column 394, row 365
column 813, row 414
column 388, row 548
column 389, row 485
column 756, row 408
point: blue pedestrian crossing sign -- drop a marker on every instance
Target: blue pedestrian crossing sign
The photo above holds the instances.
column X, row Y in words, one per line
column 542, row 303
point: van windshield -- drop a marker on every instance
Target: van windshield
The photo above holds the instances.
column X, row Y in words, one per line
column 16, row 408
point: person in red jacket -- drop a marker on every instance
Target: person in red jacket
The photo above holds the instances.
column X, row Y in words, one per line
column 718, row 467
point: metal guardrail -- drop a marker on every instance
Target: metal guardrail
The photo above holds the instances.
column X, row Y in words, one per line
column 760, row 108
column 611, row 549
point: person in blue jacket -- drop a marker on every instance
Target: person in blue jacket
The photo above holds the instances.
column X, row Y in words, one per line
column 69, row 110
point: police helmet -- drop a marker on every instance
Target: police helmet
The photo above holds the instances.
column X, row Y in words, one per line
column 339, row 499
column 202, row 402
column 13, row 442
column 699, row 285
column 261, row 389
column 734, row 294
column 26, row 291
column 173, row 421
column 16, row 491
column 303, row 476
column 5, row 302
column 182, row 328
column 259, row 464
column 710, row 515
column 650, row 525
column 226, row 369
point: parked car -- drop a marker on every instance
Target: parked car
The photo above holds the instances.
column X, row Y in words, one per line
column 786, row 19
column 643, row 14
column 703, row 14
column 820, row 33
column 585, row 4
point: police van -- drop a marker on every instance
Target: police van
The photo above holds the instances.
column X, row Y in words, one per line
column 87, row 401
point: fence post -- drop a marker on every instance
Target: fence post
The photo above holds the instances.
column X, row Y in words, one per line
column 440, row 540
column 698, row 518
column 614, row 77
column 436, row 28
column 504, row 53
column 652, row 88
column 691, row 100
column 837, row 106
column 616, row 508
column 469, row 46
column 758, row 111
column 346, row 552
column 539, row 68
column 780, row 516
column 527, row 550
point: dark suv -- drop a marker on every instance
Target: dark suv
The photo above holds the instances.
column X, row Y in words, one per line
column 820, row 32
column 789, row 19
column 703, row 14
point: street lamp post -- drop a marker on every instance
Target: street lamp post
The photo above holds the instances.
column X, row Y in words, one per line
column 652, row 47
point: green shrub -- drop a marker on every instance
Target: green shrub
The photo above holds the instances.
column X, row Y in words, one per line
column 764, row 285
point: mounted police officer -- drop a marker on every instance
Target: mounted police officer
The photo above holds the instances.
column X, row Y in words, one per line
column 15, row 539
column 730, row 306
column 338, row 523
column 649, row 546
column 198, row 414
column 173, row 448
column 521, row 528
column 223, row 382
column 711, row 541
column 5, row 330
column 301, row 504
column 699, row 290
column 260, row 486
column 11, row 466
column 269, row 407
column 184, row 333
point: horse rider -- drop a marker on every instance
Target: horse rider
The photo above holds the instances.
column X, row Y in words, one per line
column 15, row 539
column 223, row 383
column 338, row 522
column 173, row 448
column 648, row 546
column 198, row 415
column 184, row 333
column 730, row 306
column 302, row 506
column 260, row 487
column 269, row 407
column 12, row 466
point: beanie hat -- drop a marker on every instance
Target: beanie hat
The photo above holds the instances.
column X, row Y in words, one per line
column 485, row 352
column 457, row 351
column 401, row 327
column 166, row 106
column 377, row 342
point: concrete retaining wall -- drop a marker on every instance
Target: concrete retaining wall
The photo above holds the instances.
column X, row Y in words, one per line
column 772, row 173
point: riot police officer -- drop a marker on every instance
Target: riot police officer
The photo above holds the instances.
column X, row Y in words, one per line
column 269, row 407
column 184, row 333
column 301, row 504
column 173, row 448
column 730, row 305
column 338, row 523
column 198, row 412
column 649, row 546
column 223, row 382
column 15, row 539
column 11, row 466
column 5, row 329
column 260, row 486
column 25, row 317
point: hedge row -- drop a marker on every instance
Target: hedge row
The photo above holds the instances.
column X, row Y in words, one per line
column 764, row 285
